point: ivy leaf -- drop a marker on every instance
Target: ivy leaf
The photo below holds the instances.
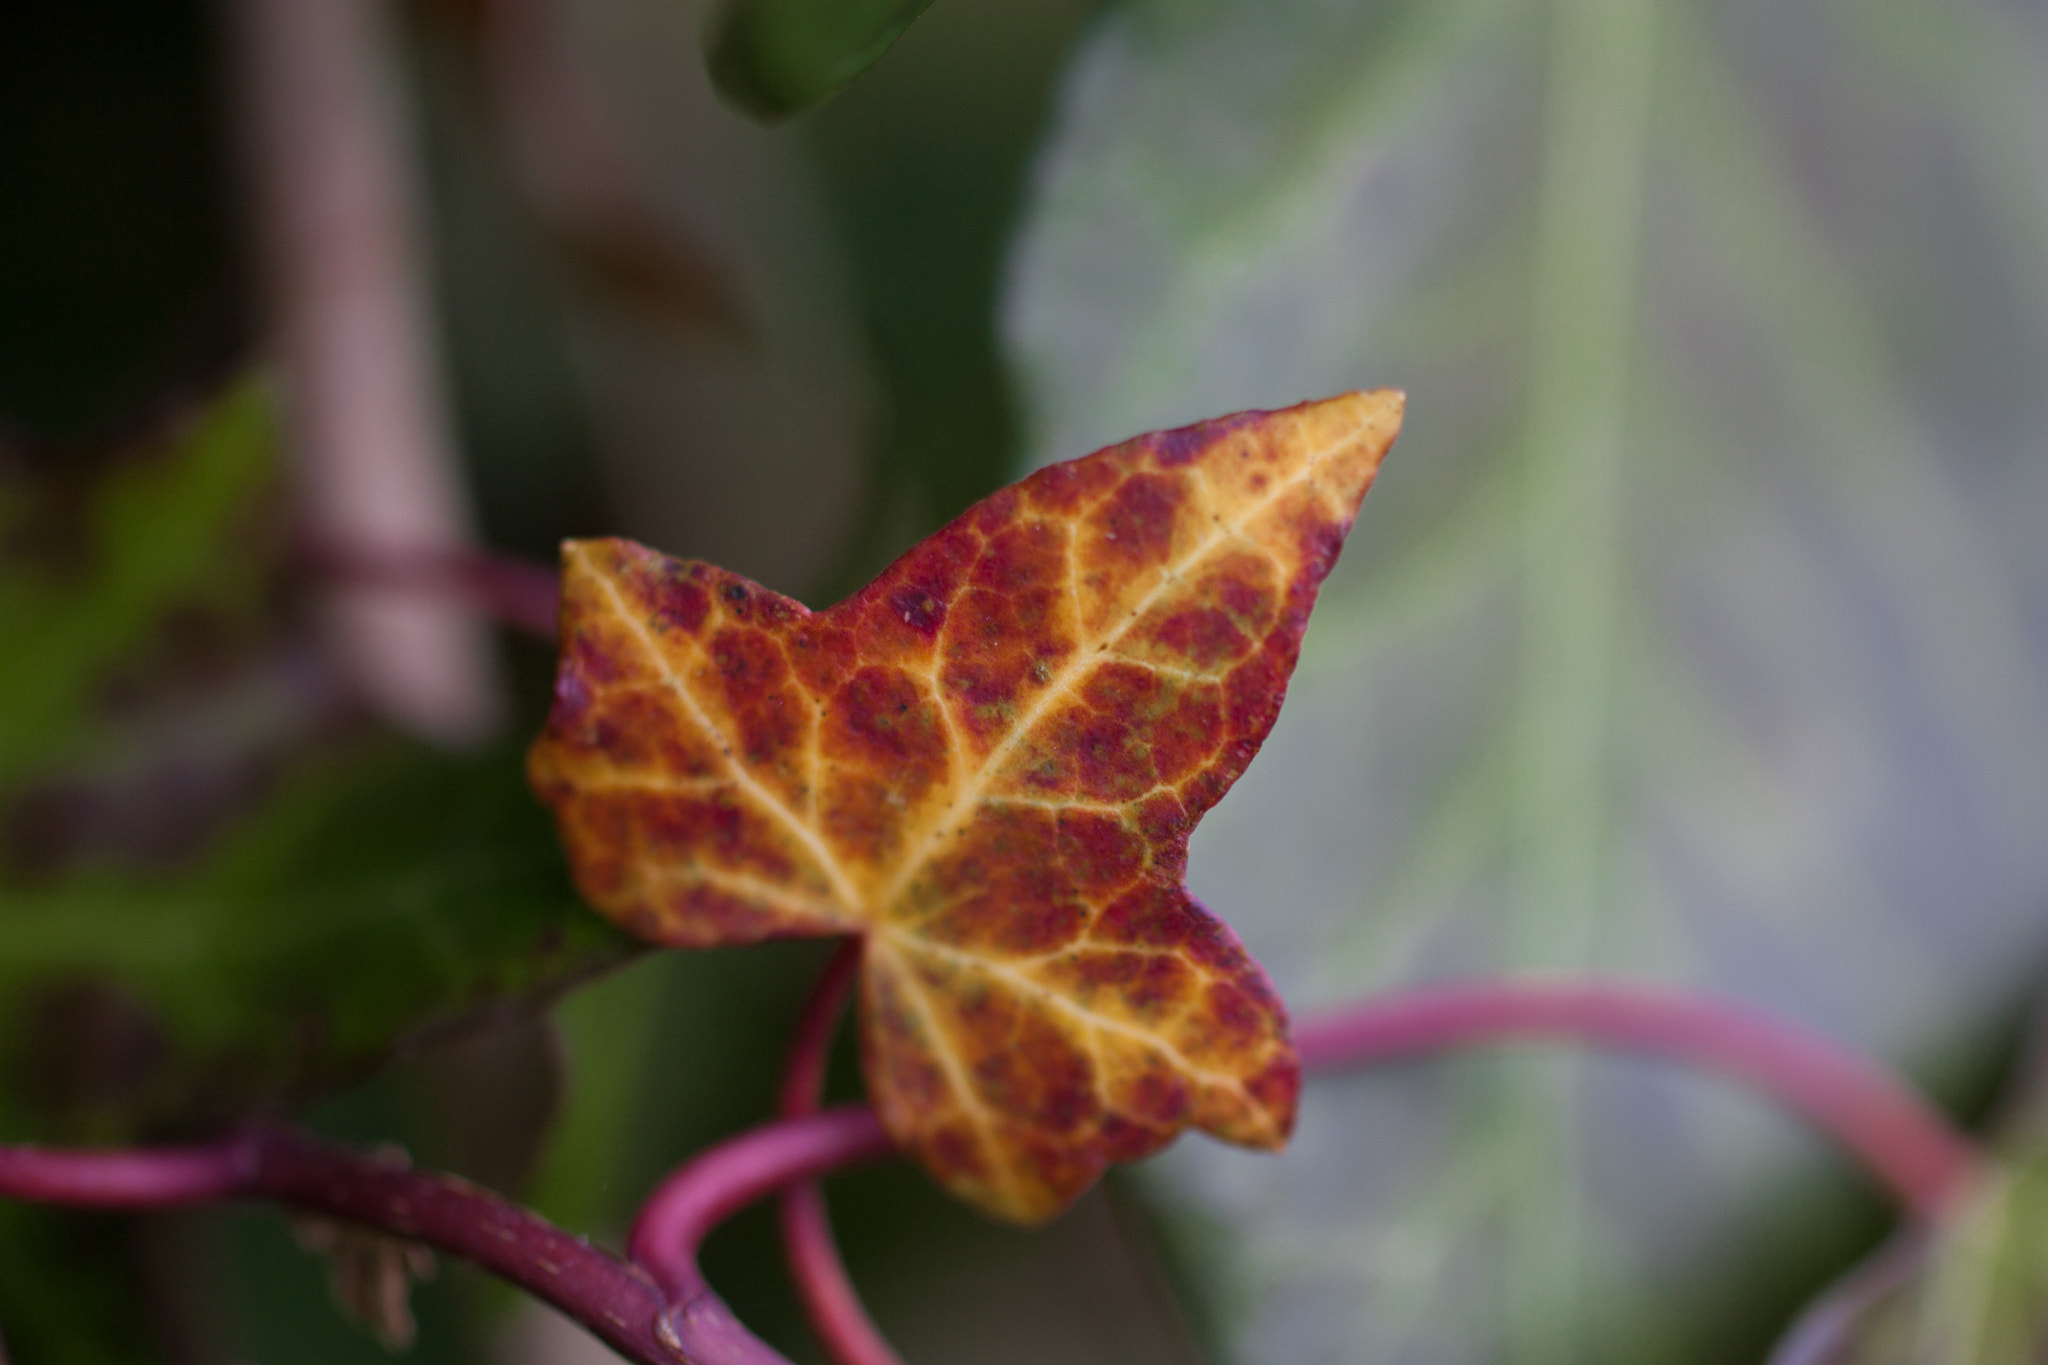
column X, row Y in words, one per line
column 775, row 58
column 986, row 763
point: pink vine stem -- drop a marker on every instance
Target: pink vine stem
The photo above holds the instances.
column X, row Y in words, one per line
column 148, row 1179
column 1898, row 1136
column 658, row 1309
column 685, row 1207
column 830, row 1302
column 615, row 1301
column 657, row 1312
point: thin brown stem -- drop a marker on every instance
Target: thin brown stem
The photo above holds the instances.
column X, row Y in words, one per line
column 335, row 221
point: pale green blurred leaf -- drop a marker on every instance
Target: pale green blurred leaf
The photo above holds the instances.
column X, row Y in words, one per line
column 1698, row 627
column 1972, row 1290
column 1976, row 1294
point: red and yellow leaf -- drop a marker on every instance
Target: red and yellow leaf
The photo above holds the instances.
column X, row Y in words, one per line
column 987, row 763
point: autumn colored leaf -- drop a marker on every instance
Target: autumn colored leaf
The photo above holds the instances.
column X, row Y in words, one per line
column 987, row 763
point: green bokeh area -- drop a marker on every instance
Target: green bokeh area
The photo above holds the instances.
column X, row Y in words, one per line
column 361, row 896
column 93, row 567
column 368, row 893
column 774, row 58
column 377, row 899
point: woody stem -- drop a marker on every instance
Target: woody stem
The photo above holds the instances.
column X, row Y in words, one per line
column 614, row 1300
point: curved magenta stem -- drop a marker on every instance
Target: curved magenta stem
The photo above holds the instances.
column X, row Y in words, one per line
column 1898, row 1136
column 661, row 1311
column 616, row 1302
column 148, row 1179
column 831, row 1304
column 810, row 1044
column 712, row 1187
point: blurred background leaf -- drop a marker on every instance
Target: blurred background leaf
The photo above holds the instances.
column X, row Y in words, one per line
column 99, row 570
column 1698, row 627
column 1977, row 1295
column 1973, row 1290
column 774, row 58
column 220, row 891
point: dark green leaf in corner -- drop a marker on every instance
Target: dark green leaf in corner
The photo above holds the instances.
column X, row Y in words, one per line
column 1971, row 1291
column 1975, row 1294
column 221, row 890
column 775, row 58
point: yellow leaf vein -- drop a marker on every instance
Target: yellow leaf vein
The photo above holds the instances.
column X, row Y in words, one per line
column 1064, row 681
column 1063, row 1003
column 842, row 886
column 956, row 1073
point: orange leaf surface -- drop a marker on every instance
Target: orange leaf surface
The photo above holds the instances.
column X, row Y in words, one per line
column 987, row 763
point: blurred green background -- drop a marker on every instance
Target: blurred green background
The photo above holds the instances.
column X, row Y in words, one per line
column 1698, row 630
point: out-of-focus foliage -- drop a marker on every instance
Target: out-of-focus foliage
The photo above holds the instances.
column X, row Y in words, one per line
column 1972, row 1290
column 376, row 899
column 92, row 579
column 1698, row 629
column 218, row 892
column 775, row 58
column 1977, row 1295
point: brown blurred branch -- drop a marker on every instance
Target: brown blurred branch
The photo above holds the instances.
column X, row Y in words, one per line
column 514, row 592
column 335, row 227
